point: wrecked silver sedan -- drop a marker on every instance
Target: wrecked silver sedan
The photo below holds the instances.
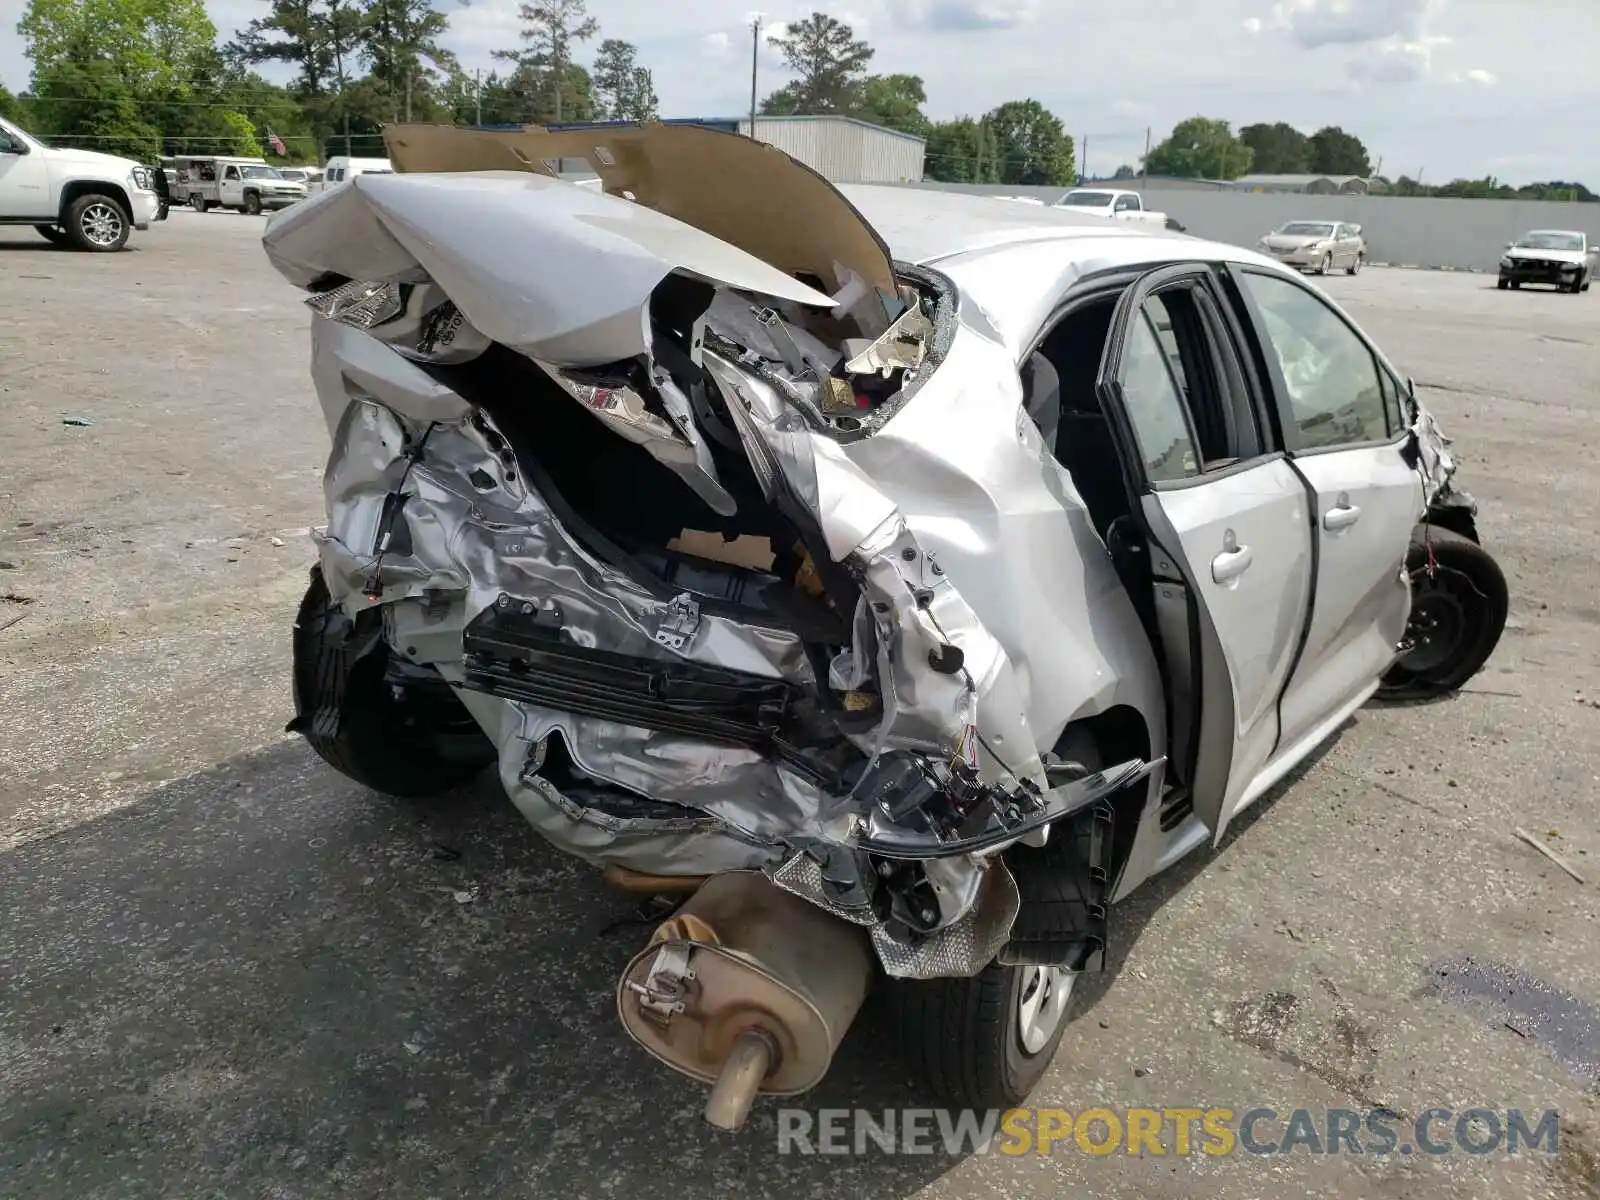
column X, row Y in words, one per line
column 894, row 579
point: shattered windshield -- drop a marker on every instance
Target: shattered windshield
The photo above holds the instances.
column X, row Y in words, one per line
column 1550, row 241
column 1088, row 199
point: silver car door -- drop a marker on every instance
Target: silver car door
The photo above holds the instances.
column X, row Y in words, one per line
column 1342, row 418
column 1229, row 535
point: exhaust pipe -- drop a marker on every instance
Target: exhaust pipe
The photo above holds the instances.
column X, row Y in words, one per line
column 747, row 987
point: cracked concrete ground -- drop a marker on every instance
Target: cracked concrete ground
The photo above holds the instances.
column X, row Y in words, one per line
column 227, row 971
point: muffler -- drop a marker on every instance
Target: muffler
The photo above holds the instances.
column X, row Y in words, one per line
column 746, row 987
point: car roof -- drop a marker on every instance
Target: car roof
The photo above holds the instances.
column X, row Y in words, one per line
column 1016, row 261
column 1560, row 232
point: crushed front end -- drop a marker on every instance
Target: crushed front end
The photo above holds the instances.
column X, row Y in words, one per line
column 588, row 487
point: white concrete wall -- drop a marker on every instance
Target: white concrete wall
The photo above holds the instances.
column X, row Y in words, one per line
column 1407, row 231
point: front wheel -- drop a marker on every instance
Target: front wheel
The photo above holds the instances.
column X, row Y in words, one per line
column 1502, row 284
column 1459, row 606
column 252, row 204
column 97, row 223
column 1327, row 265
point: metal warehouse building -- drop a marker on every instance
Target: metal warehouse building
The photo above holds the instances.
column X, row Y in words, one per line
column 843, row 149
column 840, row 149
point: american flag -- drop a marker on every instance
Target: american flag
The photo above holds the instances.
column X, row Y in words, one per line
column 277, row 145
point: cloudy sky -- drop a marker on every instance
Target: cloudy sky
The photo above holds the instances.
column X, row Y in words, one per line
column 1446, row 87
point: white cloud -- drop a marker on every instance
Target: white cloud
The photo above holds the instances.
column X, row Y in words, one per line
column 1315, row 23
column 715, row 45
column 1254, row 25
column 1481, row 77
column 1394, row 60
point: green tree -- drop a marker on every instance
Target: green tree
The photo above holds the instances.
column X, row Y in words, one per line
column 623, row 90
column 962, row 151
column 85, row 101
column 293, row 32
column 831, row 64
column 550, row 30
column 1335, row 152
column 1279, row 149
column 403, row 48
column 151, row 44
column 1033, row 147
column 895, row 102
column 11, row 107
column 1200, row 148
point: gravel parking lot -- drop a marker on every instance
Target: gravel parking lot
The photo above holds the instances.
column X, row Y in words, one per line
column 227, row 971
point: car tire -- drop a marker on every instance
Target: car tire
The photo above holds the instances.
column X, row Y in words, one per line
column 1516, row 285
column 1327, row 265
column 1502, row 284
column 1355, row 265
column 413, row 740
column 964, row 1037
column 199, row 203
column 1457, row 616
column 968, row 1039
column 53, row 234
column 252, row 204
column 97, row 223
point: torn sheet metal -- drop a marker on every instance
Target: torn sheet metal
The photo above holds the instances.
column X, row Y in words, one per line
column 559, row 273
column 786, row 214
column 1436, row 461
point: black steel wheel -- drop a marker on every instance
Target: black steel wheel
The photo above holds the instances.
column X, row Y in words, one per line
column 1459, row 607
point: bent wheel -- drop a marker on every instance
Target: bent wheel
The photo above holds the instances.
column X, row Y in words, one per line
column 1458, row 611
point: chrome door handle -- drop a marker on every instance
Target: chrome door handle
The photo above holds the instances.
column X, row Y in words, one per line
column 1341, row 516
column 1231, row 564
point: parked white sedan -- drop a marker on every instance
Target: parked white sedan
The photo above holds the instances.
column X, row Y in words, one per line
column 1323, row 246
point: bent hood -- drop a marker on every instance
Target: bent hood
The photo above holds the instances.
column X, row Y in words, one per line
column 738, row 190
column 560, row 273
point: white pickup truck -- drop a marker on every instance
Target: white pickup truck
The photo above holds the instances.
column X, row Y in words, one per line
column 75, row 197
column 1116, row 205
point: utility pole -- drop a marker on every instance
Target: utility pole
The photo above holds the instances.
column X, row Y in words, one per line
column 1144, row 165
column 1083, row 160
column 477, row 93
column 755, row 59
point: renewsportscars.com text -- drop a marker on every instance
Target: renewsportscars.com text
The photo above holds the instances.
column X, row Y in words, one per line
column 1175, row 1131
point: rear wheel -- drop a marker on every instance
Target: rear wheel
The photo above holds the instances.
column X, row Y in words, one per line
column 53, row 234
column 1355, row 265
column 1459, row 607
column 985, row 1042
column 198, row 202
column 97, row 223
column 414, row 738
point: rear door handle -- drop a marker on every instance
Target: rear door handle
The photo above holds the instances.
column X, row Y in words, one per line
column 1231, row 563
column 1341, row 516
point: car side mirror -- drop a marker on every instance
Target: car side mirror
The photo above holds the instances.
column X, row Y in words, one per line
column 1509, row 245
column 1355, row 230
column 1411, row 388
